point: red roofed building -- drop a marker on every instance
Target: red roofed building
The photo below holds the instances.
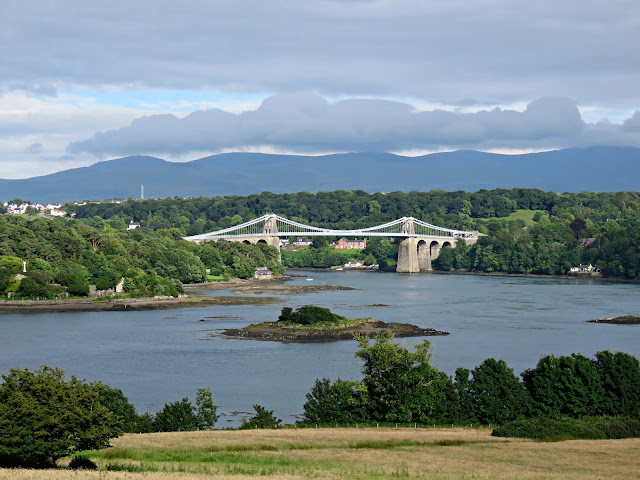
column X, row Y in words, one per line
column 344, row 243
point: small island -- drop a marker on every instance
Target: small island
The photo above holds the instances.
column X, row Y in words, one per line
column 622, row 320
column 316, row 324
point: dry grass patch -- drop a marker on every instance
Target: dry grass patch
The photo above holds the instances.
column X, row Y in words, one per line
column 297, row 437
column 355, row 454
column 67, row 475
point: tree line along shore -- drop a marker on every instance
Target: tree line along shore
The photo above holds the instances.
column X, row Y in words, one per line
column 527, row 232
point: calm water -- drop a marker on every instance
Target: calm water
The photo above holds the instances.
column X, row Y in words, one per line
column 156, row 357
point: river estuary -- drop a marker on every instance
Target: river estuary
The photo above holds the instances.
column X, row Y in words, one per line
column 161, row 356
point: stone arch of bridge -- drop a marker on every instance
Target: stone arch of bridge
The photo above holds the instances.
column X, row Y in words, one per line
column 424, row 255
column 434, row 249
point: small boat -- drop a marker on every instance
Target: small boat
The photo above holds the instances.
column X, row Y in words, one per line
column 309, row 279
column 339, row 269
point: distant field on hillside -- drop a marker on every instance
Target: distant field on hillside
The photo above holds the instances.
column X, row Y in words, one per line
column 437, row 453
column 526, row 215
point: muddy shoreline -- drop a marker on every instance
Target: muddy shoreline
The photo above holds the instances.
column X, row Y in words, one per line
column 272, row 332
column 288, row 289
column 234, row 283
column 245, row 292
column 494, row 274
column 130, row 304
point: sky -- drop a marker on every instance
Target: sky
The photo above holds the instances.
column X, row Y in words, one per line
column 82, row 82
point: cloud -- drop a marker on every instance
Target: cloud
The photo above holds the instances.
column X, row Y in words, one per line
column 486, row 50
column 27, row 121
column 308, row 123
column 35, row 148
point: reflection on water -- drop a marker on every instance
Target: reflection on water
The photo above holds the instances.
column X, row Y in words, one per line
column 156, row 357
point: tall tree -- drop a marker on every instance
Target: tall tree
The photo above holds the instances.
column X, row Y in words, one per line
column 402, row 385
column 176, row 416
column 565, row 385
column 620, row 376
column 43, row 417
column 494, row 393
column 206, row 411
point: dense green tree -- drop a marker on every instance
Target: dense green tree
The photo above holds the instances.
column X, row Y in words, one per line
column 465, row 397
column 43, row 417
column 206, row 411
column 116, row 401
column 319, row 243
column 75, row 279
column 29, row 288
column 262, row 419
column 176, row 416
column 342, row 402
column 402, row 385
column 446, row 260
column 494, row 393
column 308, row 315
column 620, row 377
column 145, row 423
column 565, row 385
column 383, row 250
column 285, row 314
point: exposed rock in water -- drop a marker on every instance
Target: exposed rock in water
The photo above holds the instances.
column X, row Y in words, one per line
column 622, row 320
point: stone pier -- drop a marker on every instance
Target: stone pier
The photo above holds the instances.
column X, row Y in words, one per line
column 408, row 256
column 408, row 250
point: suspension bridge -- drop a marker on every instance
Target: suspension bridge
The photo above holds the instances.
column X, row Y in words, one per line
column 421, row 242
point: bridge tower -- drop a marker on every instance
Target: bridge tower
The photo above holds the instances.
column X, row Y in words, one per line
column 270, row 231
column 270, row 226
column 408, row 249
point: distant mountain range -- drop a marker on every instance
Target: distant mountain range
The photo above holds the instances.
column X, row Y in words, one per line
column 569, row 170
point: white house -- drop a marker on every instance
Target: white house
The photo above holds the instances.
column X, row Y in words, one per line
column 263, row 273
column 584, row 269
column 303, row 242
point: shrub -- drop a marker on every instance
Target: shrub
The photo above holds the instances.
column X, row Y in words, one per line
column 82, row 462
column 587, row 428
column 309, row 314
column 285, row 314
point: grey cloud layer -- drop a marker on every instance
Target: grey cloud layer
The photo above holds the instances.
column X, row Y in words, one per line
column 497, row 50
column 308, row 123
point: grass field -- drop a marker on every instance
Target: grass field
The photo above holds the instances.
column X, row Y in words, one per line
column 216, row 278
column 526, row 215
column 437, row 453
